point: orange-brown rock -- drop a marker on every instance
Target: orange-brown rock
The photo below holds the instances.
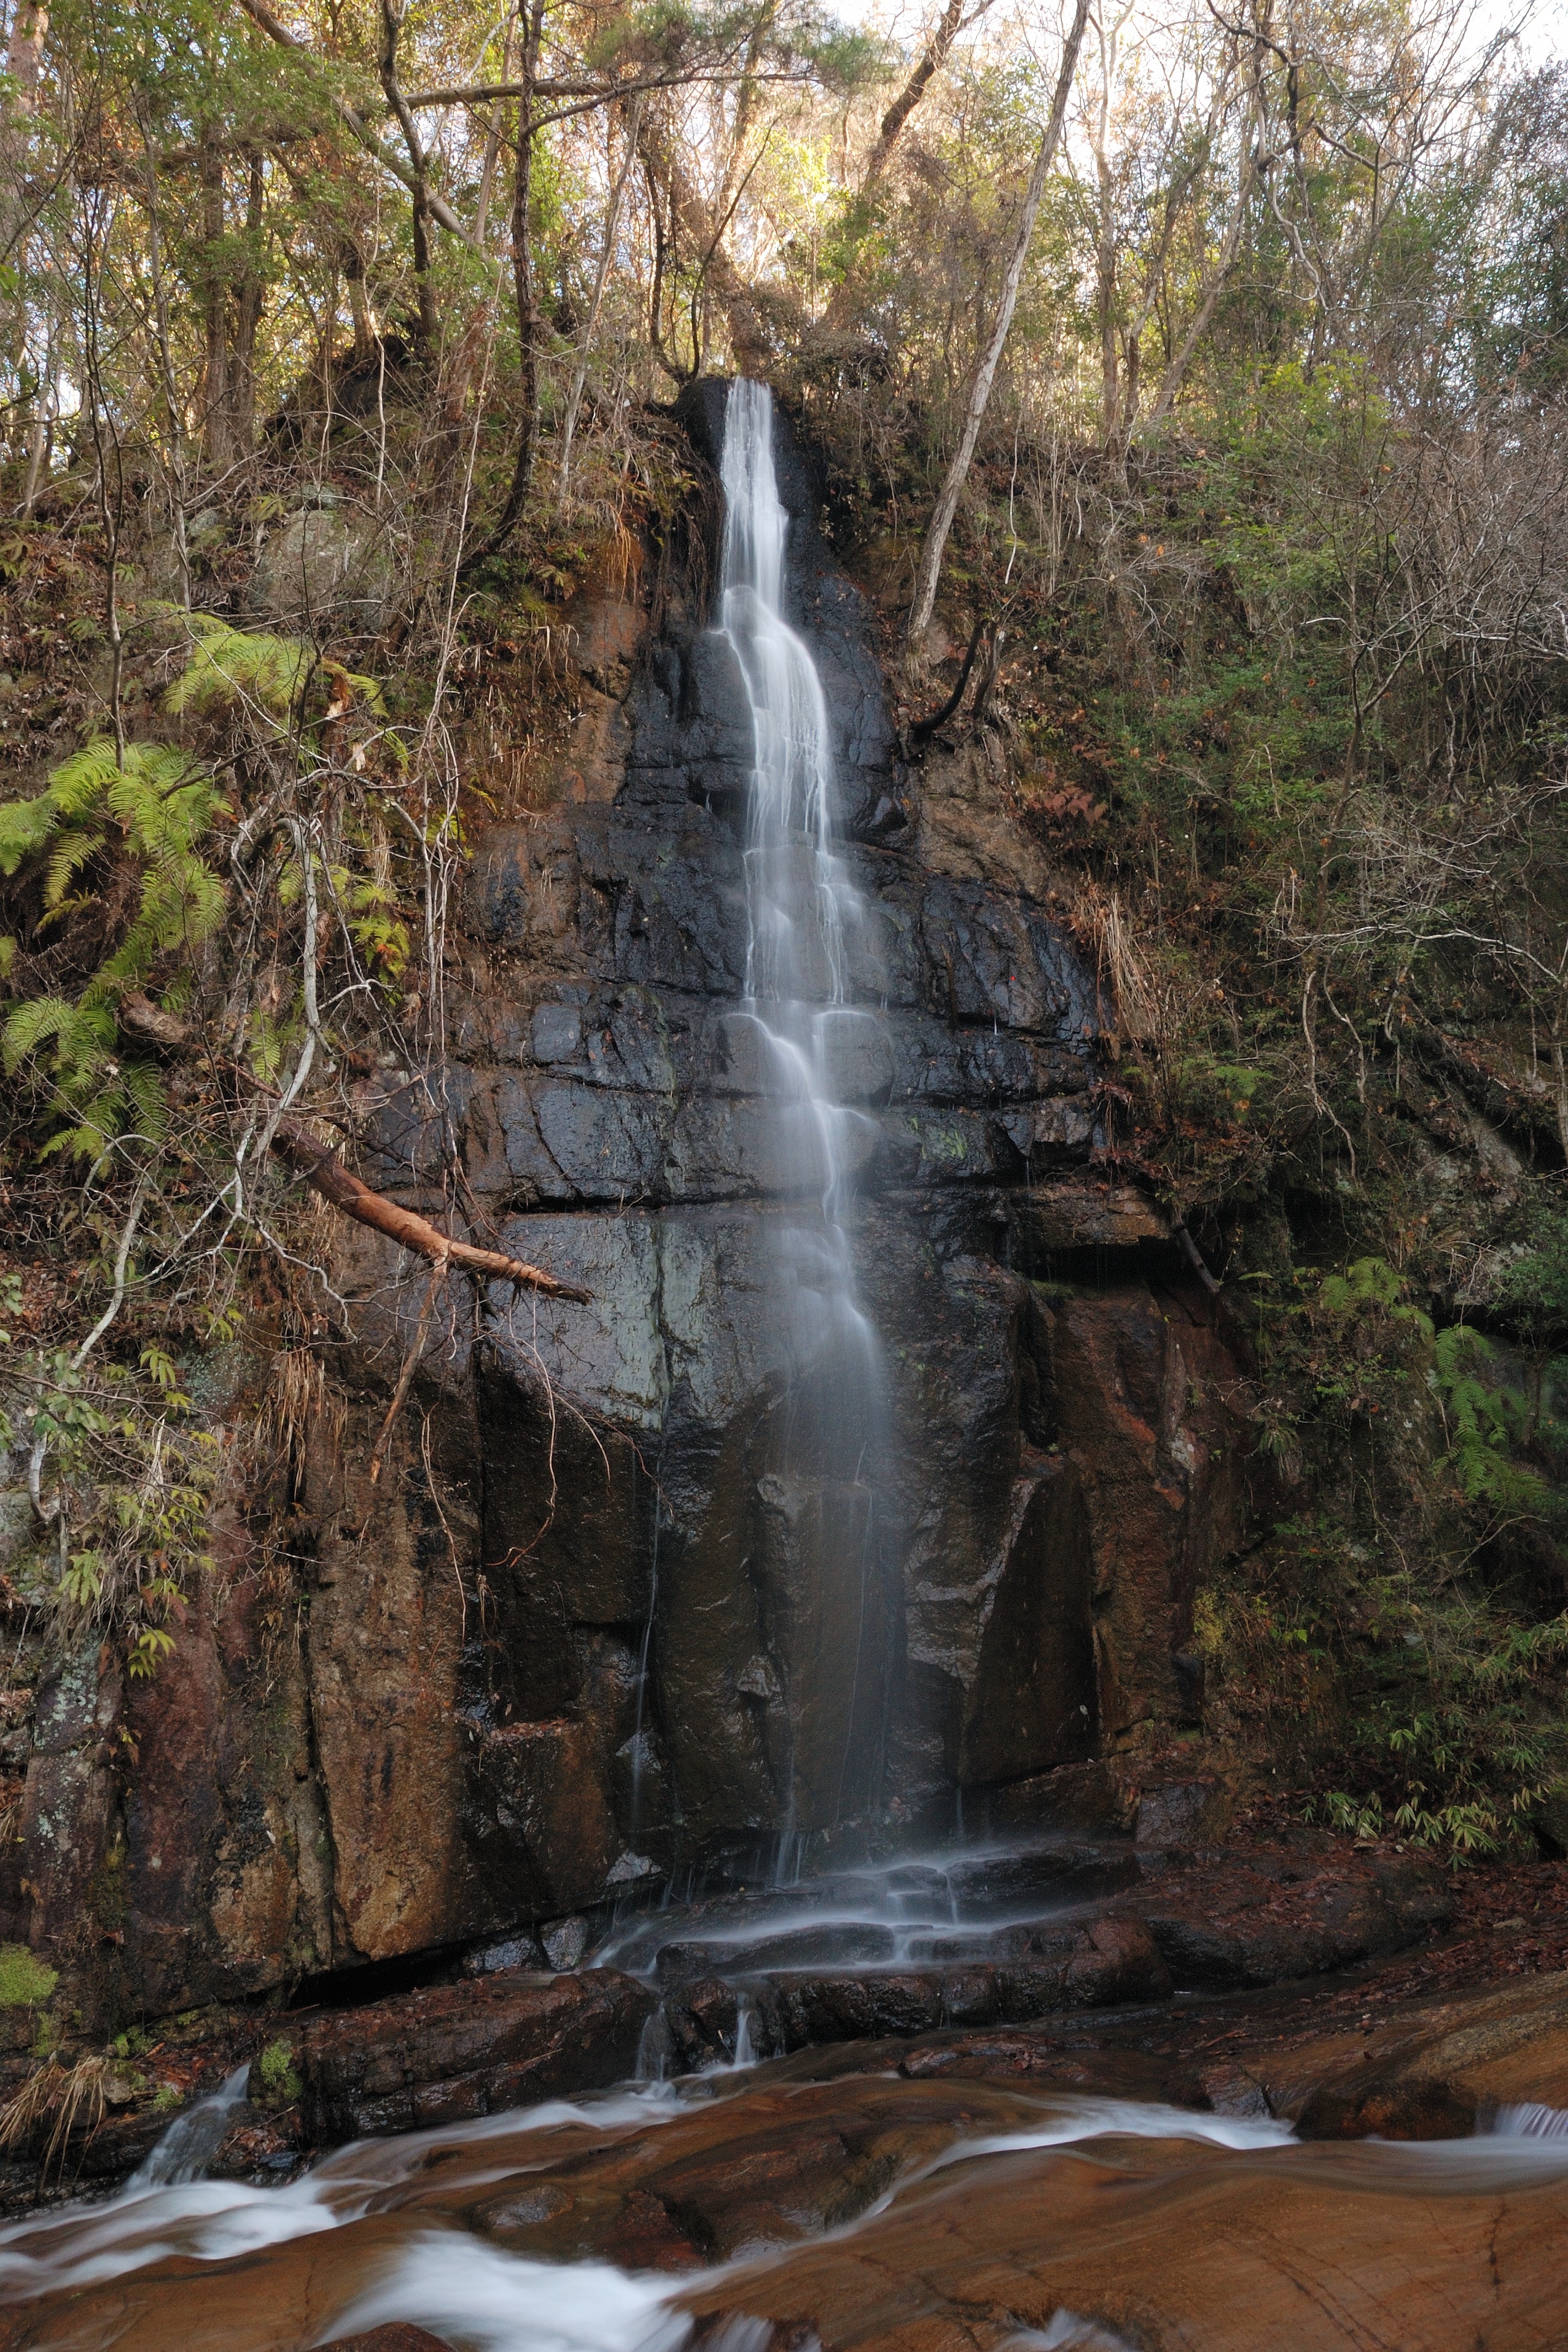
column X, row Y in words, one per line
column 1168, row 2242
column 1172, row 2245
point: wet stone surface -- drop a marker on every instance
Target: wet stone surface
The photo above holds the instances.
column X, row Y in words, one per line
column 1140, row 2172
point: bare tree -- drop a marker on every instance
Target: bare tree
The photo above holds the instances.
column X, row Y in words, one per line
column 935, row 540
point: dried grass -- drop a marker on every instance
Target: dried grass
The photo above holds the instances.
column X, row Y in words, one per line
column 1150, row 1005
column 73, row 2096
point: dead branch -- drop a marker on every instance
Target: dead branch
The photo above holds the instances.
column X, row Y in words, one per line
column 322, row 1170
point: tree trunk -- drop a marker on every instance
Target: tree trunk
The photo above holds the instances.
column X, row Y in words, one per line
column 25, row 54
column 602, row 278
column 941, row 523
column 526, row 306
column 391, row 27
column 359, row 303
column 215, row 303
column 949, row 25
column 249, row 300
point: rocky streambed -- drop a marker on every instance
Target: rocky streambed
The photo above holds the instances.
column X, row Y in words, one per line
column 1196, row 2173
column 1118, row 2128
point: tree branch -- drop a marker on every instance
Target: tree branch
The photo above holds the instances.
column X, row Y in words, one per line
column 986, row 366
column 319, row 1165
column 261, row 16
column 322, row 1170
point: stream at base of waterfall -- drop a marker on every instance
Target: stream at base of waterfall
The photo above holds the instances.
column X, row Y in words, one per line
column 763, row 2208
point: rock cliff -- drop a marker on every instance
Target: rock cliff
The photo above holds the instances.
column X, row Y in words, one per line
column 577, row 1638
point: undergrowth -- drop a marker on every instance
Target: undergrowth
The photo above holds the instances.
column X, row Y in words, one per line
column 1388, row 1641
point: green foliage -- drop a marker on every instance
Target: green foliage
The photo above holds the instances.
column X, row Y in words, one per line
column 1531, row 1294
column 266, row 679
column 149, row 815
column 1447, row 1708
column 227, row 666
column 24, row 1982
column 1372, row 1283
column 276, row 2076
column 1487, row 1422
column 1383, row 1660
column 134, row 1480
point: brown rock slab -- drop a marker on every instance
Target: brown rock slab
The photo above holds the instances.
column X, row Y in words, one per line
column 469, row 2049
column 1168, row 2244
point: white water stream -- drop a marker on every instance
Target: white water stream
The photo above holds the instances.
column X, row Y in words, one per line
column 825, row 1483
column 478, row 2296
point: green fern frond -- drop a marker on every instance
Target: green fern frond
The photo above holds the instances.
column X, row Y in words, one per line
column 79, row 783
column 229, row 666
column 71, row 852
column 24, row 829
column 147, row 1101
column 34, row 1024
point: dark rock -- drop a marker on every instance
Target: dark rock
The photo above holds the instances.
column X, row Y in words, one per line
column 1389, row 2110
column 799, row 1947
column 398, row 2337
column 1184, row 1812
column 566, row 1941
column 702, row 2020
column 509, row 1952
column 1255, row 1921
column 1190, row 1679
column 1231, row 2090
column 1116, row 1960
column 798, row 2011
column 467, row 2049
column 1092, row 1798
column 1071, row 1871
column 262, row 2148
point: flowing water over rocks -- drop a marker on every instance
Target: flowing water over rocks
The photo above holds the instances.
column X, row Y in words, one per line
column 1153, row 2187
column 678, row 1584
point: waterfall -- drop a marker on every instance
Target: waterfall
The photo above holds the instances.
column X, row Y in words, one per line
column 822, row 1489
column 194, row 2138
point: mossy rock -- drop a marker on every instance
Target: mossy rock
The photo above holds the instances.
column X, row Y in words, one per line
column 26, row 1987
column 1548, row 1818
column 25, row 1982
column 274, row 2077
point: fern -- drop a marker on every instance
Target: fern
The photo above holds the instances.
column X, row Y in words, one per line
column 1371, row 1283
column 1487, row 1420
column 157, row 808
column 229, row 666
column 24, row 828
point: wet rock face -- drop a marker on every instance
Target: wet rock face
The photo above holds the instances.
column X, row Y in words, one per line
column 617, row 1125
column 461, row 1743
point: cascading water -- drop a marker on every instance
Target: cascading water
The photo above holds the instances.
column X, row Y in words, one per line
column 824, row 1483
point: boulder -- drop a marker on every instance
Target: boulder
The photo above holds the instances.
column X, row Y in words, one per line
column 466, row 2050
column 324, row 569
